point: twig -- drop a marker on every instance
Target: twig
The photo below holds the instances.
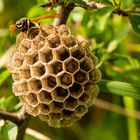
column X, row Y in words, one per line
column 64, row 12
column 92, row 5
column 14, row 117
column 22, row 128
column 117, row 109
column 36, row 134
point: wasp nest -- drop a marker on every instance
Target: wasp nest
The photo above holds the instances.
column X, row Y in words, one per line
column 54, row 74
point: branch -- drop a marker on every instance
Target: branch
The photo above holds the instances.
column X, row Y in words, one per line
column 64, row 12
column 117, row 109
column 13, row 117
column 92, row 5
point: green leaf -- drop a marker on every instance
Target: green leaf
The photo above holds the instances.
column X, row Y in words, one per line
column 9, row 131
column 3, row 76
column 120, row 88
column 135, row 22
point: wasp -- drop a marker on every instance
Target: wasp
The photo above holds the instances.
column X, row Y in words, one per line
column 24, row 24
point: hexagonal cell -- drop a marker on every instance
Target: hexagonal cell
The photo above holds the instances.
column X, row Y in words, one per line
column 56, row 107
column 54, row 40
column 81, row 110
column 55, row 116
column 94, row 58
column 32, row 110
column 88, row 87
column 46, row 56
column 43, row 117
column 22, row 99
column 25, row 73
column 69, row 41
column 20, row 88
column 71, row 65
column 81, row 77
column 55, row 67
column 67, row 113
column 59, row 94
column 48, row 82
column 70, row 103
column 84, row 98
column 84, row 44
column 32, row 32
column 31, row 59
column 32, row 99
column 62, row 53
column 76, row 90
column 65, row 122
column 86, row 64
column 65, row 79
column 63, row 30
column 94, row 75
column 34, row 85
column 38, row 42
column 44, row 109
column 78, row 52
column 17, row 60
column 25, row 45
column 48, row 29
column 38, row 70
column 44, row 97
column 16, row 76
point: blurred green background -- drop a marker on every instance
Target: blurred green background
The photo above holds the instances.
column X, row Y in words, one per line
column 117, row 46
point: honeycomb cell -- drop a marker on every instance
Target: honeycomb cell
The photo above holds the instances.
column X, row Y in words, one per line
column 69, row 41
column 59, row 94
column 64, row 79
column 55, row 116
column 62, row 53
column 17, row 60
column 88, row 87
column 32, row 32
column 20, row 37
column 67, row 113
column 56, row 107
column 48, row 82
column 46, row 56
column 76, row 90
column 78, row 52
column 48, row 29
column 70, row 103
column 81, row 77
column 44, row 117
column 32, row 99
column 34, row 85
column 20, row 88
column 44, row 109
column 94, row 75
column 44, row 97
column 38, row 70
column 81, row 110
column 54, row 40
column 16, row 76
column 85, row 45
column 25, row 73
column 94, row 59
column 71, row 65
column 55, row 67
column 25, row 45
column 84, row 98
column 38, row 42
column 32, row 110
column 63, row 30
column 31, row 59
column 86, row 64
column 65, row 122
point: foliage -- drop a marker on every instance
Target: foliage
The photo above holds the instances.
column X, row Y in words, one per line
column 113, row 33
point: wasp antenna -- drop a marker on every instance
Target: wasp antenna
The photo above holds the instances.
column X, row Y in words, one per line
column 46, row 16
column 12, row 27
